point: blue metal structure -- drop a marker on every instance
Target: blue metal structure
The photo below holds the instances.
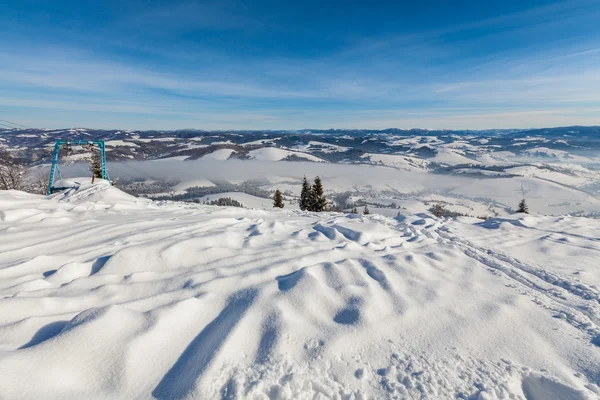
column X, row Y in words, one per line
column 67, row 144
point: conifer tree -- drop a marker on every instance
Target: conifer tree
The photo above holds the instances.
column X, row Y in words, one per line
column 354, row 211
column 278, row 199
column 95, row 166
column 305, row 195
column 366, row 210
column 523, row 207
column 318, row 201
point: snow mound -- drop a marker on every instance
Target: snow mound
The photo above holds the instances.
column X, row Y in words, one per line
column 542, row 388
column 82, row 189
column 173, row 300
column 357, row 231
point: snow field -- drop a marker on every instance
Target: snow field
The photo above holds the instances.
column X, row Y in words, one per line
column 106, row 296
column 221, row 154
column 276, row 154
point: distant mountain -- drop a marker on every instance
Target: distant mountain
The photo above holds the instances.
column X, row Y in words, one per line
column 332, row 145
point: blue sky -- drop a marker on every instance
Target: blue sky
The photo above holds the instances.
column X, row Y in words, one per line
column 292, row 65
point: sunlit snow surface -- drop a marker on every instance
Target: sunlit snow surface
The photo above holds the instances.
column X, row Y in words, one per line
column 106, row 296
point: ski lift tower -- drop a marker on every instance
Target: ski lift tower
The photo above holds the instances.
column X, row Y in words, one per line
column 67, row 144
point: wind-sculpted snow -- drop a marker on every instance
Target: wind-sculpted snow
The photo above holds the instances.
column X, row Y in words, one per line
column 106, row 296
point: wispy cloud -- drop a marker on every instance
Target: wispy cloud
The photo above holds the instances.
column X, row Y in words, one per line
column 502, row 71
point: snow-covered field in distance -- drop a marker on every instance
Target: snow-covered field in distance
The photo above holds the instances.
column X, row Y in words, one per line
column 478, row 173
column 103, row 295
column 248, row 200
column 551, row 189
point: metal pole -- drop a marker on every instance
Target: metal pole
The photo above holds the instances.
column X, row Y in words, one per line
column 103, row 160
column 54, row 166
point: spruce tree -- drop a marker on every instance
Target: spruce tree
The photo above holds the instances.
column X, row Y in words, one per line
column 305, row 195
column 318, row 201
column 95, row 166
column 277, row 199
column 523, row 207
column 354, row 211
column 366, row 210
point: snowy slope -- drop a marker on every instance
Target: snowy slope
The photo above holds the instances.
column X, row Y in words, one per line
column 106, row 296
column 451, row 157
column 407, row 163
column 248, row 200
column 196, row 182
column 323, row 147
column 566, row 174
column 221, row 154
column 275, row 154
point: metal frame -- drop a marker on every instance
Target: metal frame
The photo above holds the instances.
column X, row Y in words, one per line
column 55, row 170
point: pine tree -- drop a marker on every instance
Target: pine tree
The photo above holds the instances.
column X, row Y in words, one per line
column 318, row 200
column 277, row 199
column 366, row 210
column 354, row 211
column 95, row 166
column 305, row 195
column 523, row 207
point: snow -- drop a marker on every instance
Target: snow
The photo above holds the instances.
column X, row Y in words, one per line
column 121, row 143
column 416, row 141
column 101, row 192
column 275, row 154
column 554, row 153
column 261, row 142
column 451, row 157
column 221, row 154
column 103, row 295
column 323, row 147
column 571, row 175
column 180, row 187
column 191, row 146
column 479, row 171
column 501, row 190
column 157, row 139
column 406, row 163
column 531, row 139
column 248, row 200
column 496, row 158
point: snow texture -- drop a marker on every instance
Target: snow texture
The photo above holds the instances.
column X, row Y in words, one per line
column 106, row 296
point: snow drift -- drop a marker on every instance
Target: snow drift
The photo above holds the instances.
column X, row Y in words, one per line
column 106, row 296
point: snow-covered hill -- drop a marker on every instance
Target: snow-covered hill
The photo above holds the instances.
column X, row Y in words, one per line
column 106, row 296
column 274, row 154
